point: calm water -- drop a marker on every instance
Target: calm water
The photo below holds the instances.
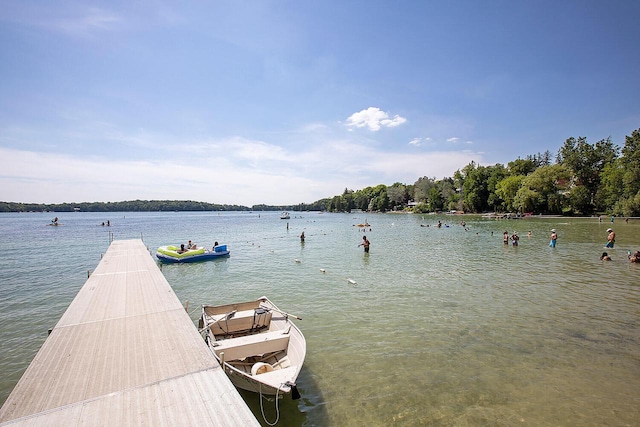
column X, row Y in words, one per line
column 442, row 327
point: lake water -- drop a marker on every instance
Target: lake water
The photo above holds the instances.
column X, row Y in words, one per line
column 435, row 326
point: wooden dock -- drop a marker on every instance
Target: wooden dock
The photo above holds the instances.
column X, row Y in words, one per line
column 125, row 353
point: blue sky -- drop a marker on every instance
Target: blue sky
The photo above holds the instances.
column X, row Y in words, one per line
column 283, row 102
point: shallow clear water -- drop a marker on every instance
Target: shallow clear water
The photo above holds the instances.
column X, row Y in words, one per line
column 441, row 327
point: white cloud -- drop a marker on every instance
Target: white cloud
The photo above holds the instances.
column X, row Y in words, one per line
column 374, row 118
column 233, row 171
column 419, row 141
column 80, row 22
column 453, row 139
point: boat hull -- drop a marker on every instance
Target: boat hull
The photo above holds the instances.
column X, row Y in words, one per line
column 248, row 383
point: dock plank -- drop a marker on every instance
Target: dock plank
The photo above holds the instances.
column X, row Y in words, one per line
column 125, row 353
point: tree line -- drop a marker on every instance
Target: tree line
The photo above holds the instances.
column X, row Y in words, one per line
column 582, row 179
column 150, row 206
column 126, row 206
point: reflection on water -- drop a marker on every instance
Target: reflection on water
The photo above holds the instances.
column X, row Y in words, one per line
column 432, row 327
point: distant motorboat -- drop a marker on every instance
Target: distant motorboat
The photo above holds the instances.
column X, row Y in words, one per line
column 285, row 215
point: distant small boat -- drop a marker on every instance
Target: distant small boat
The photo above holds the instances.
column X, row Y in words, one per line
column 171, row 254
column 55, row 224
column 285, row 215
column 259, row 347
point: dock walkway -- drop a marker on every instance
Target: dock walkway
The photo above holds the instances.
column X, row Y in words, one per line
column 125, row 353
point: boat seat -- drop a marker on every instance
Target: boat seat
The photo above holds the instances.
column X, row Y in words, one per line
column 278, row 376
column 251, row 345
column 240, row 322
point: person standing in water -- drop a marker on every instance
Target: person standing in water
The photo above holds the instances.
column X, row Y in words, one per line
column 302, row 237
column 365, row 243
column 611, row 239
column 554, row 237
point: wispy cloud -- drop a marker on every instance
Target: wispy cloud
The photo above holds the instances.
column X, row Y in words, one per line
column 417, row 142
column 374, row 118
column 87, row 22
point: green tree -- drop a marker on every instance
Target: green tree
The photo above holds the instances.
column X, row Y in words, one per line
column 421, row 208
column 507, row 190
column 580, row 200
column 361, row 198
column 421, row 189
column 611, row 188
column 397, row 195
column 631, row 163
column 435, row 202
column 543, row 190
column 586, row 161
column 522, row 167
column 379, row 200
column 347, row 200
column 475, row 180
column 450, row 196
column 496, row 174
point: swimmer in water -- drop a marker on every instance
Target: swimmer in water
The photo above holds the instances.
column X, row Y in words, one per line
column 515, row 238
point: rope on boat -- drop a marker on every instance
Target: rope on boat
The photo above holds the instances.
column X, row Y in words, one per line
column 277, row 407
column 194, row 310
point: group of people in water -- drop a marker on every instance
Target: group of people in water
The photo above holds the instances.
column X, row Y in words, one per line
column 633, row 257
column 611, row 241
column 553, row 239
column 514, row 238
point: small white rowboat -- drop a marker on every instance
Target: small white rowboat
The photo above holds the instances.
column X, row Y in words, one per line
column 259, row 347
